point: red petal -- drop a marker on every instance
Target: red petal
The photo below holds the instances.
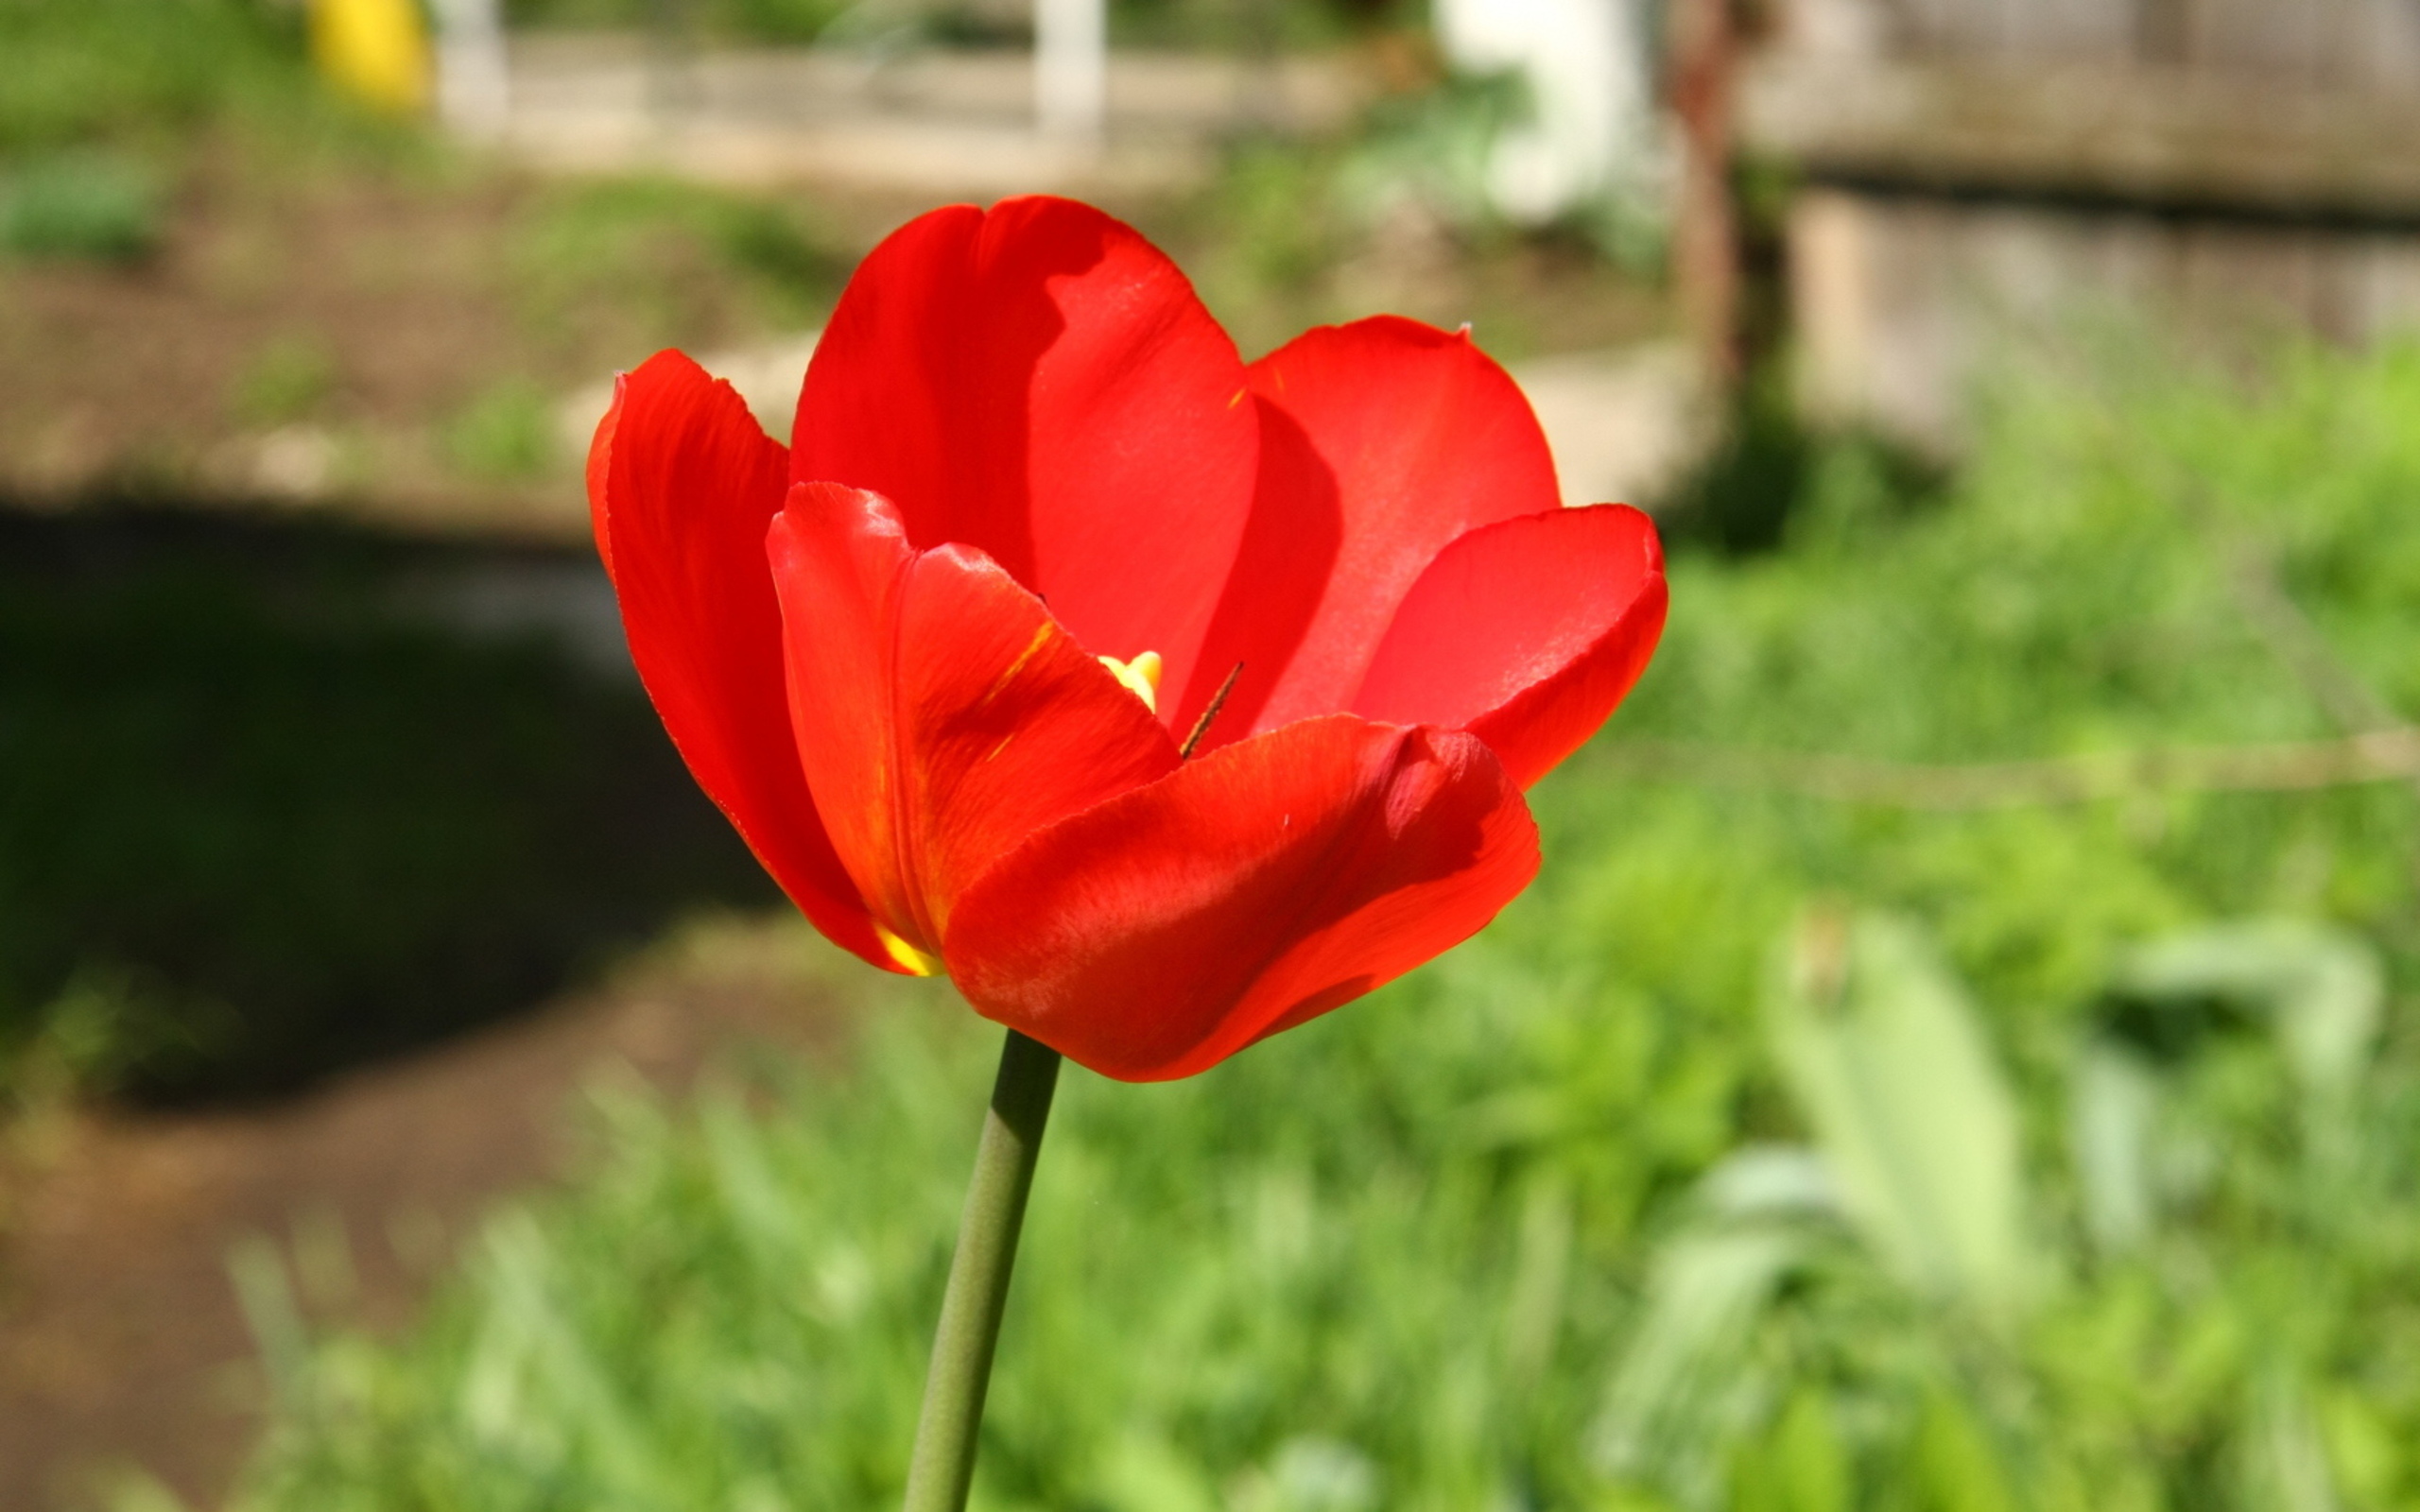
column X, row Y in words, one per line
column 1525, row 633
column 680, row 483
column 1402, row 438
column 1255, row 887
column 1041, row 383
column 942, row 714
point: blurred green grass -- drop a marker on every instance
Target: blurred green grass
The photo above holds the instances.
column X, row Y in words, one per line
column 668, row 257
column 86, row 69
column 505, row 431
column 2016, row 1174
column 96, row 207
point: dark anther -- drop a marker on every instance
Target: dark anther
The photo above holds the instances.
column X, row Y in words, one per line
column 1217, row 701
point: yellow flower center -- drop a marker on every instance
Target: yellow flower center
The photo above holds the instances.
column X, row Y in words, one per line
column 1141, row 676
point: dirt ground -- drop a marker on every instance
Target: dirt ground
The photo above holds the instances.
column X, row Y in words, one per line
column 122, row 1342
column 330, row 331
column 351, row 332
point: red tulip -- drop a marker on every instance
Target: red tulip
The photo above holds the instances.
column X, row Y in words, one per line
column 1025, row 452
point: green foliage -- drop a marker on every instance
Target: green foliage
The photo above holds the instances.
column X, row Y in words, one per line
column 286, row 380
column 1431, row 148
column 1881, row 1049
column 1427, row 153
column 778, row 20
column 81, row 70
column 505, row 432
column 665, row 253
column 2026, row 1182
column 90, row 206
column 1250, row 25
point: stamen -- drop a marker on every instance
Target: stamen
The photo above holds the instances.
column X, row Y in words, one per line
column 1141, row 676
column 1217, row 701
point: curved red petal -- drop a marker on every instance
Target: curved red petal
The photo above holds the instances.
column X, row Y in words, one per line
column 1388, row 440
column 1040, row 383
column 1155, row 935
column 682, row 482
column 1526, row 632
column 942, row 716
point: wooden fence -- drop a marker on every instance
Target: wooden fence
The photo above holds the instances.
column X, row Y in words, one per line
column 1982, row 178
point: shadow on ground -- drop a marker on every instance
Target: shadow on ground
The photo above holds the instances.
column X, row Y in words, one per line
column 278, row 797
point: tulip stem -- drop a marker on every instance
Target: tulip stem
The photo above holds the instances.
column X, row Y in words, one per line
column 942, row 1466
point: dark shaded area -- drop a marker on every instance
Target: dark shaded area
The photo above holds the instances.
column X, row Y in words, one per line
column 2167, row 1030
column 1740, row 499
column 2179, row 205
column 1766, row 469
column 278, row 797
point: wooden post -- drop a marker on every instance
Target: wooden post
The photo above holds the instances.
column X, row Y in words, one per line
column 1705, row 231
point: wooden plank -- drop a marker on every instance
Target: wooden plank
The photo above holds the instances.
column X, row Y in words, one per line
column 1903, row 304
column 2207, row 139
column 2360, row 44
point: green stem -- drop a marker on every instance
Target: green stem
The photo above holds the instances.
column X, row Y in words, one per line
column 942, row 1466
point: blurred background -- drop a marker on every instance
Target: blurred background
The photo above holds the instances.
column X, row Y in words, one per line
column 1960, row 1056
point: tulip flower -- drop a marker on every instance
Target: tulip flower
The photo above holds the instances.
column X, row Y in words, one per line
column 939, row 661
column 1162, row 700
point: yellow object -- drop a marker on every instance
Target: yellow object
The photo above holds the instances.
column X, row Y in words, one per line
column 1141, row 676
column 375, row 50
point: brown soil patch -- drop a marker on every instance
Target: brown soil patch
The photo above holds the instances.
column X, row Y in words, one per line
column 122, row 1342
column 406, row 292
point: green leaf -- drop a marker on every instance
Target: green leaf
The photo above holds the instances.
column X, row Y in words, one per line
column 1880, row 1043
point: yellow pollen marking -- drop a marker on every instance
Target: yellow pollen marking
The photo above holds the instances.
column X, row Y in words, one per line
column 1033, row 649
column 912, row 960
column 1239, row 399
column 996, row 751
column 1141, row 676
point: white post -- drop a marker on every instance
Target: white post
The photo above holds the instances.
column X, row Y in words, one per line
column 1071, row 69
column 1588, row 69
column 474, row 85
